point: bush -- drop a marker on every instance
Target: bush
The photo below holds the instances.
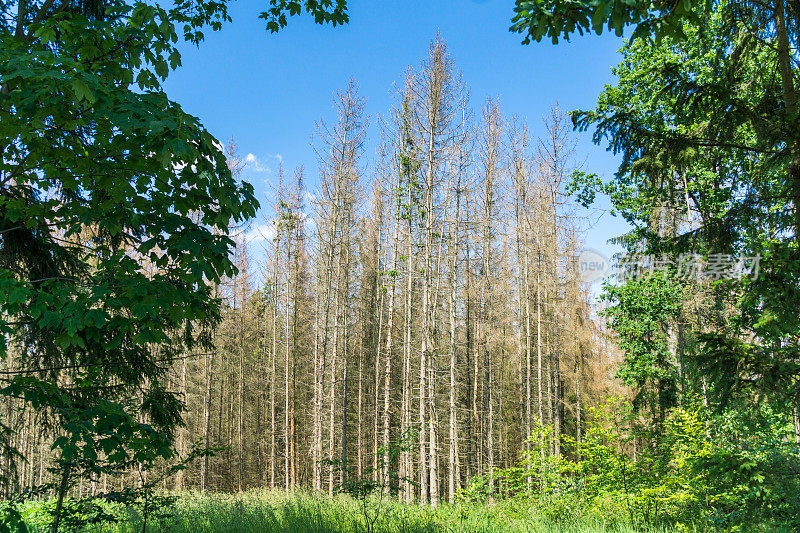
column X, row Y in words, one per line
column 693, row 472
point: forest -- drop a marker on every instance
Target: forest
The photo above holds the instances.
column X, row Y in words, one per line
column 408, row 336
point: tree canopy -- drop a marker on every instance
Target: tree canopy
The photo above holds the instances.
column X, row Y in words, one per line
column 115, row 207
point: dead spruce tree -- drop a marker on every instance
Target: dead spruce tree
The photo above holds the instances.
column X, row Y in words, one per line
column 431, row 295
column 339, row 150
column 439, row 99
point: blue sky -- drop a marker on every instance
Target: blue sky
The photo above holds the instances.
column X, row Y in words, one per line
column 266, row 90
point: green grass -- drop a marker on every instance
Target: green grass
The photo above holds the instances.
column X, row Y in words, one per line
column 272, row 512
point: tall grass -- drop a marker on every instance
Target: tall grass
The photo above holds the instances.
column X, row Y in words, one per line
column 260, row 511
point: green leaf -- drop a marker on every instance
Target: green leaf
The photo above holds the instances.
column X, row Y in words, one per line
column 82, row 91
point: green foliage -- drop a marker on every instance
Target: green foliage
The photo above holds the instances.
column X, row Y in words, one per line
column 100, row 437
column 11, row 520
column 372, row 488
column 323, row 11
column 705, row 131
column 279, row 512
column 115, row 207
column 102, row 182
column 539, row 470
column 114, row 210
column 709, row 164
column 556, row 18
column 643, row 310
column 704, row 473
column 701, row 126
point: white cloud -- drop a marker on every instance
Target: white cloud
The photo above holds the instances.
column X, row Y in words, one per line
column 256, row 164
column 263, row 231
column 311, row 224
column 266, row 165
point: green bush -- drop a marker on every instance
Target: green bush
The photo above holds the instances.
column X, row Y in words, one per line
column 694, row 473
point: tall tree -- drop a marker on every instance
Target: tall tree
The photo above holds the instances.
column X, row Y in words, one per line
column 102, row 174
column 440, row 99
column 491, row 162
column 339, row 150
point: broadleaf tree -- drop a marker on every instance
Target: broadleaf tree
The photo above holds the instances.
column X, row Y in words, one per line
column 704, row 117
column 115, row 210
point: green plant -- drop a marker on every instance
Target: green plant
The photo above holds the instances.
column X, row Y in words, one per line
column 115, row 209
column 372, row 488
column 11, row 519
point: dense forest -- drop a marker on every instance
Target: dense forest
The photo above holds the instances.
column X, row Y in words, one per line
column 439, row 294
column 417, row 326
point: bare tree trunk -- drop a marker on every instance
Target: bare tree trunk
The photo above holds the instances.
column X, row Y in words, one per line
column 423, row 459
column 287, row 447
column 332, row 419
column 407, row 461
column 539, row 376
column 240, row 407
column 454, row 476
column 339, row 154
column 273, row 458
column 345, row 393
column 206, row 420
column 377, row 385
column 490, row 156
column 360, row 414
column 387, row 373
column 468, row 330
column 324, row 271
column 182, row 432
column 453, row 451
column 316, row 409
